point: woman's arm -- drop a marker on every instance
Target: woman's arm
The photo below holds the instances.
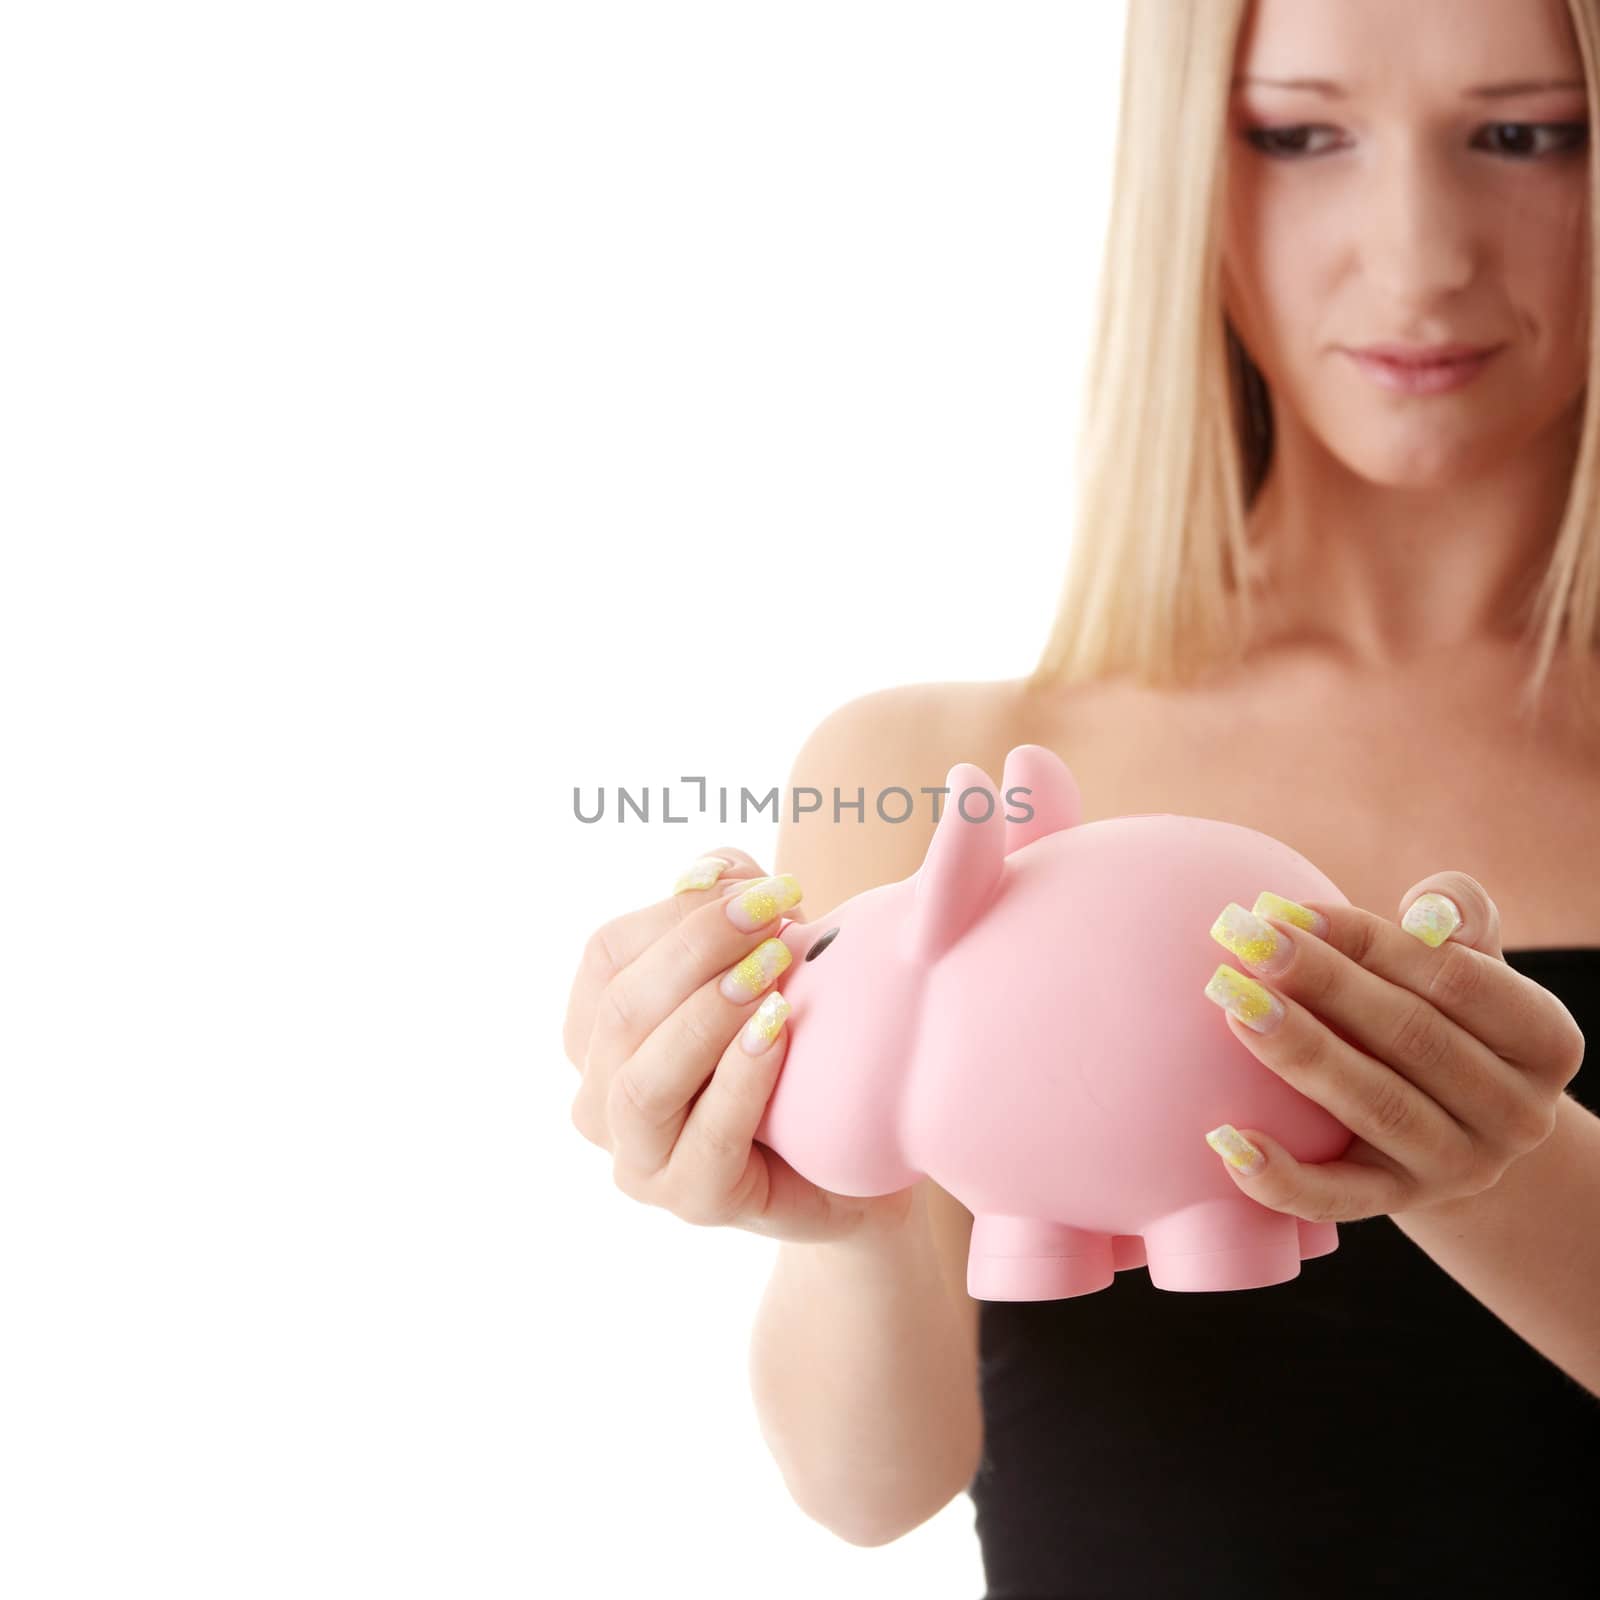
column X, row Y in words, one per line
column 864, row 1357
column 1529, row 1248
column 864, row 1352
column 864, row 1371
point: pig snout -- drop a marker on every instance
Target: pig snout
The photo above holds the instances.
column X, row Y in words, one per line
column 799, row 937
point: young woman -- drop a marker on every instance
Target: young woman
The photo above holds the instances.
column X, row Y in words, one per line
column 1336, row 575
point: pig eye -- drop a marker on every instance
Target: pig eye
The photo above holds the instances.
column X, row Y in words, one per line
column 819, row 945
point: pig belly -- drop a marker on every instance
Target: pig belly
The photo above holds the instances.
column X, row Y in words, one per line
column 1068, row 1062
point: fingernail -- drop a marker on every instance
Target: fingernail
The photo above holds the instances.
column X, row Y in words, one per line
column 1256, row 942
column 746, row 980
column 1432, row 918
column 701, row 873
column 762, row 1027
column 763, row 900
column 1269, row 904
column 1253, row 1004
column 1236, row 1150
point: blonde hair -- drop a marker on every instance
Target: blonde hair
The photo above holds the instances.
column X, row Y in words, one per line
column 1177, row 429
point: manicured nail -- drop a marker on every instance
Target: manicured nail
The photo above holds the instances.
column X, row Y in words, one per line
column 1253, row 1004
column 701, row 873
column 1251, row 939
column 762, row 1027
column 1269, row 904
column 756, row 971
column 1432, row 918
column 763, row 900
column 1236, row 1150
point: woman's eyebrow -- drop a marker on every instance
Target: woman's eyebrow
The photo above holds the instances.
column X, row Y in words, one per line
column 1483, row 91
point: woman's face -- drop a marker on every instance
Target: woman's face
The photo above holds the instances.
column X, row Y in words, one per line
column 1408, row 208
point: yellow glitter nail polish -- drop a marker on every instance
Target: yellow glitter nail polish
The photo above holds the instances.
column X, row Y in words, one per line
column 1269, row 904
column 745, row 981
column 765, row 899
column 1252, row 1003
column 1251, row 939
column 1432, row 918
column 1236, row 1150
column 762, row 1028
column 701, row 873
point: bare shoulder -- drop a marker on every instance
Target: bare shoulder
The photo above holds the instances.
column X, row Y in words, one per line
column 859, row 831
column 919, row 730
column 921, row 717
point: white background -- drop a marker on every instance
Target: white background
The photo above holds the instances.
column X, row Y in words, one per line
column 410, row 412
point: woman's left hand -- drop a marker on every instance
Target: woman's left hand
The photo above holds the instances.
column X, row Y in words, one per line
column 1444, row 1062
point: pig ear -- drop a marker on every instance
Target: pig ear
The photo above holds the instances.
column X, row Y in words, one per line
column 962, row 866
column 1053, row 795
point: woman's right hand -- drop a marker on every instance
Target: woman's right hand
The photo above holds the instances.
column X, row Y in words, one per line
column 669, row 1086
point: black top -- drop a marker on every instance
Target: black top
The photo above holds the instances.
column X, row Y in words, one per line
column 1367, row 1427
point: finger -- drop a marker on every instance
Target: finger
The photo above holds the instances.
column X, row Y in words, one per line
column 1464, row 976
column 718, row 1173
column 614, row 945
column 653, row 1090
column 1370, row 993
column 1519, row 1019
column 1370, row 1098
column 713, row 1158
column 629, row 936
column 700, row 941
column 1452, row 905
column 713, row 870
column 1343, row 1190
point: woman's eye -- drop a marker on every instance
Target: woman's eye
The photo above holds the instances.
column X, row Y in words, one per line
column 1281, row 141
column 1517, row 140
column 1570, row 135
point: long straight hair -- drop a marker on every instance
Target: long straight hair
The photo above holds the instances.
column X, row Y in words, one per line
column 1177, row 427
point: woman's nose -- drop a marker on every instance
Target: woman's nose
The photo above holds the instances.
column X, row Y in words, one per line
column 1418, row 238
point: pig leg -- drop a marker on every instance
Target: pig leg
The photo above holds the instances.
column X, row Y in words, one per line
column 1021, row 1258
column 1317, row 1238
column 1127, row 1250
column 1229, row 1242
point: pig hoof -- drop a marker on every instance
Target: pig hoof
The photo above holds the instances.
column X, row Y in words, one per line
column 1021, row 1258
column 1229, row 1243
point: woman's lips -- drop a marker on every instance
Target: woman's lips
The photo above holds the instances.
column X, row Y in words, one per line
column 1421, row 377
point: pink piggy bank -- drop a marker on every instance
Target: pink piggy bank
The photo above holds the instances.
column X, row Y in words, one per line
column 1023, row 1020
